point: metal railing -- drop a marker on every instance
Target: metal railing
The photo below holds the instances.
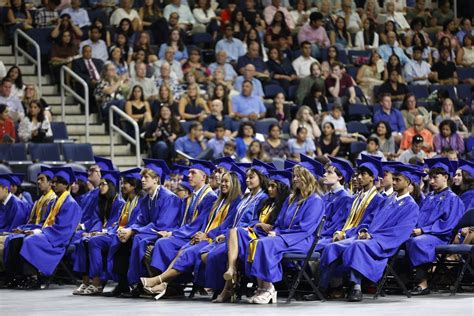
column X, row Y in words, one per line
column 115, row 128
column 36, row 61
column 84, row 100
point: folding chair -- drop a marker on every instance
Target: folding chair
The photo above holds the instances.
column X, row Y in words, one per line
column 81, row 153
column 420, row 91
column 390, row 273
column 465, row 251
column 262, row 126
column 296, row 258
column 271, row 90
column 358, row 111
column 45, row 152
column 60, row 134
column 357, row 127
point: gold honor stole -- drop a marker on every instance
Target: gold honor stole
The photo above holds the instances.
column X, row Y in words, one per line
column 265, row 214
column 207, row 190
column 37, row 210
column 56, row 207
column 216, row 217
column 126, row 211
column 358, row 209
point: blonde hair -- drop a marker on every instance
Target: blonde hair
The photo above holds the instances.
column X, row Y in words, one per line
column 170, row 93
column 299, row 114
column 234, row 190
column 149, row 172
column 37, row 94
column 309, row 185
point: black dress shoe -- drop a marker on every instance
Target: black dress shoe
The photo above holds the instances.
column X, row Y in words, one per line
column 134, row 293
column 116, row 292
column 310, row 297
column 355, row 296
column 30, row 283
column 417, row 291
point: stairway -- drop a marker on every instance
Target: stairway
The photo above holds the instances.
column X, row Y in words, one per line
column 75, row 121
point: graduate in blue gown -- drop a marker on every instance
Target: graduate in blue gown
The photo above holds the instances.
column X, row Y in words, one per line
column 159, row 211
column 110, row 205
column 42, row 250
column 17, row 190
column 337, row 201
column 366, row 254
column 13, row 211
column 81, row 187
column 293, row 231
column 189, row 254
column 464, row 182
column 39, row 212
column 439, row 214
column 194, row 216
column 213, row 261
column 239, row 238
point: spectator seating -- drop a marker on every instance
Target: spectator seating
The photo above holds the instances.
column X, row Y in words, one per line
column 358, row 127
column 357, row 147
column 45, row 152
column 60, row 134
column 465, row 73
column 358, row 111
column 272, row 90
column 13, row 152
column 450, row 89
column 420, row 91
column 80, row 153
column 43, row 37
column 261, row 126
column 5, row 169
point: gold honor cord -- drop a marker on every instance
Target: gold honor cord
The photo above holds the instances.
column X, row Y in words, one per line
column 357, row 211
column 126, row 211
column 37, row 210
column 54, row 212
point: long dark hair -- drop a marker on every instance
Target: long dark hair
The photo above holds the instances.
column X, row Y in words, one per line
column 18, row 81
column 132, row 97
column 388, row 129
column 40, row 116
column 423, row 43
column 344, row 29
column 416, row 193
column 263, row 179
column 127, row 33
column 180, row 41
column 225, row 99
column 390, row 67
column 106, row 200
column 258, row 40
column 467, row 182
column 22, row 8
column 283, row 25
column 174, row 123
column 369, row 34
column 241, row 129
column 283, row 192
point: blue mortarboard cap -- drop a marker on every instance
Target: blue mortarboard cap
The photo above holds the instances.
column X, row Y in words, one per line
column 414, row 174
column 187, row 186
column 47, row 172
column 389, row 166
column 159, row 166
column 225, row 162
column 205, row 166
column 283, row 176
column 132, row 174
column 112, row 176
column 240, row 174
column 373, row 164
column 65, row 173
column 467, row 166
column 17, row 178
column 104, row 163
column 455, row 164
column 179, row 169
column 314, row 166
column 289, row 164
column 81, row 176
column 6, row 181
column 262, row 167
column 442, row 163
column 244, row 165
column 344, row 167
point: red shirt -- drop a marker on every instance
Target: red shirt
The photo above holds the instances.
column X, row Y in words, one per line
column 7, row 127
column 344, row 83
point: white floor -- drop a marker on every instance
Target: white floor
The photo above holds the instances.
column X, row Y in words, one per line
column 58, row 300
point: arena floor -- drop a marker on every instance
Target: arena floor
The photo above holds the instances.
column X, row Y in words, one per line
column 58, row 300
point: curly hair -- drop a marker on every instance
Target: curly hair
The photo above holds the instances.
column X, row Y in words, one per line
column 309, row 185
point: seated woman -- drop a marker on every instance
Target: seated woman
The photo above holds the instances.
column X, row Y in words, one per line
column 328, row 143
column 138, row 108
column 393, row 64
column 218, row 218
column 301, row 144
column 448, row 137
column 463, row 183
column 127, row 51
column 263, row 221
column 305, row 118
column 279, row 109
column 175, row 41
column 65, row 24
column 62, row 54
column 448, row 113
column 276, row 29
column 281, row 69
column 14, row 73
column 274, row 146
column 367, row 38
column 419, row 40
column 393, row 87
column 18, row 17
column 109, row 206
column 221, row 92
column 255, row 151
column 333, row 57
column 194, row 65
column 103, row 30
column 144, row 43
column 125, row 27
column 35, row 126
column 245, row 136
column 7, row 126
column 193, row 107
column 340, row 37
column 465, row 54
column 116, row 58
column 293, row 231
column 383, row 132
column 162, row 132
column 369, row 76
column 410, row 110
column 317, row 102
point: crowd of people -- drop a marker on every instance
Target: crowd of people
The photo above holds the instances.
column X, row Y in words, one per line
column 154, row 229
column 200, row 95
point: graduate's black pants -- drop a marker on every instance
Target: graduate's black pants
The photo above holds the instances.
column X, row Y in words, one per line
column 422, row 272
column 16, row 265
column 122, row 262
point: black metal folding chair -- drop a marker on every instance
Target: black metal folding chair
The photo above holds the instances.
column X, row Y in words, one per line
column 310, row 256
column 390, row 273
column 466, row 253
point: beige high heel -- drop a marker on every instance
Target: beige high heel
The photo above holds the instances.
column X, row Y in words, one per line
column 266, row 296
column 149, row 289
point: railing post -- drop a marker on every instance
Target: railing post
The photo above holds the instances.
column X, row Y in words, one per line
column 36, row 61
column 15, row 45
column 137, row 144
column 111, row 132
column 114, row 128
column 63, row 97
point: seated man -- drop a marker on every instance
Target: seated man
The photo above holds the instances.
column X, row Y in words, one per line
column 247, row 106
column 78, row 15
column 249, row 74
column 315, row 34
column 414, row 151
column 389, row 49
column 418, row 129
column 303, row 65
column 99, row 48
column 340, row 85
column 417, row 71
column 396, row 89
column 444, row 71
column 393, row 116
column 366, row 254
column 253, row 57
column 440, row 212
column 193, row 144
column 233, row 47
column 43, row 248
column 150, row 90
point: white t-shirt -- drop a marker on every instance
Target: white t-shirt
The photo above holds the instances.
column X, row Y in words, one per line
column 121, row 14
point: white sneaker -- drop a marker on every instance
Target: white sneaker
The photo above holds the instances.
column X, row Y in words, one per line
column 92, row 290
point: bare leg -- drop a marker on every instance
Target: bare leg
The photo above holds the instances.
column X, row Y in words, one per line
column 232, row 254
column 154, row 281
column 204, row 257
column 96, row 282
column 85, row 279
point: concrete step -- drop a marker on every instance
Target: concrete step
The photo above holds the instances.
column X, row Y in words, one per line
column 53, row 99
column 32, row 79
column 75, row 119
column 125, row 162
column 120, row 150
column 103, row 140
column 6, row 50
column 9, row 60
column 70, row 109
column 28, row 70
column 49, row 89
column 81, row 129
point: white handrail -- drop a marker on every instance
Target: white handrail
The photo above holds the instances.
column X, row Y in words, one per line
column 36, row 61
column 84, row 100
column 114, row 128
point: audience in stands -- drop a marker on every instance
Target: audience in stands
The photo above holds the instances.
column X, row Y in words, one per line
column 7, row 127
column 465, row 54
column 246, row 105
column 13, row 103
column 391, row 115
column 383, row 133
column 218, row 140
column 417, row 129
column 329, row 142
column 307, row 82
column 162, row 132
column 274, row 145
column 305, row 118
column 35, row 127
column 372, row 149
column 249, row 74
column 448, row 136
column 444, row 71
column 301, row 144
column 79, row 16
column 417, row 71
column 245, row 136
column 279, row 110
column 340, row 85
column 255, row 151
column 32, row 93
column 110, row 90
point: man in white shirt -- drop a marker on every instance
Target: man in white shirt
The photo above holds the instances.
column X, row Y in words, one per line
column 99, row 49
column 233, row 47
column 169, row 59
column 78, row 15
column 229, row 71
column 15, row 109
column 302, row 64
column 126, row 12
column 186, row 17
column 148, row 85
column 416, row 71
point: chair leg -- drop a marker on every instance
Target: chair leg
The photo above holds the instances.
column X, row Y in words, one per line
column 314, row 287
column 461, row 275
column 381, row 284
column 295, row 284
column 68, row 272
column 400, row 283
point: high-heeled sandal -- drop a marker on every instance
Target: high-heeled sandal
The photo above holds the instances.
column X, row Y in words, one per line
column 161, row 291
column 149, row 289
column 257, row 292
column 266, row 296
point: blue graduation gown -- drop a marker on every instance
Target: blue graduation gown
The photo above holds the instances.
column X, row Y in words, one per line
column 390, row 228
column 162, row 213
column 294, row 230
column 376, row 204
column 210, row 274
column 439, row 214
column 45, row 250
column 166, row 249
column 90, row 207
column 337, row 207
column 80, row 255
column 110, row 241
column 468, row 199
column 13, row 214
